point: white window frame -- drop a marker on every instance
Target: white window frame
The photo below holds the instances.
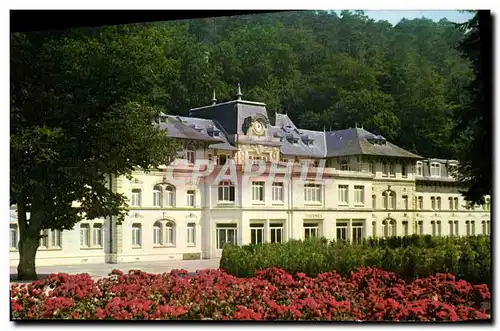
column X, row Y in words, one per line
column 274, row 229
column 420, row 168
column 135, row 199
column 225, row 187
column 170, row 233
column 170, row 196
column 258, row 192
column 358, row 232
column 312, row 193
column 191, row 234
column 311, row 230
column 277, row 192
column 255, row 230
column 343, row 194
column 435, row 169
column 85, row 232
column 359, row 194
column 226, row 229
column 158, row 234
column 14, row 237
column 191, row 198
column 136, row 235
column 157, row 201
column 97, row 235
column 342, row 228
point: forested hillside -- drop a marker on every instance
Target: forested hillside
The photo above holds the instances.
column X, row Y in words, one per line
column 330, row 71
column 325, row 70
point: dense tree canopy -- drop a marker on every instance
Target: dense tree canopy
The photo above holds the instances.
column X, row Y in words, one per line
column 82, row 99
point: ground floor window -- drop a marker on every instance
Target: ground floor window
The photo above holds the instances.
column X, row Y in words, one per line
column 13, row 241
column 276, row 230
column 342, row 228
column 357, row 232
column 420, row 227
column 389, row 226
column 311, row 230
column 453, row 228
column 485, row 227
column 226, row 234
column 50, row 239
column 374, row 229
column 405, row 228
column 257, row 233
column 136, row 235
column 191, row 234
column 91, row 235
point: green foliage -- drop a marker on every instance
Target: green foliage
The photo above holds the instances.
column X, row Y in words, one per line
column 411, row 257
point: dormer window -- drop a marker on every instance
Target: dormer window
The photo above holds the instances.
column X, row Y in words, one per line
column 435, row 169
column 419, row 168
column 344, row 164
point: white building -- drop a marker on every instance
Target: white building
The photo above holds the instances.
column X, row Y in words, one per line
column 369, row 187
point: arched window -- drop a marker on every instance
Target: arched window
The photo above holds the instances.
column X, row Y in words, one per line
column 374, row 201
column 389, row 198
column 170, row 196
column 157, row 196
column 170, row 233
column 157, row 233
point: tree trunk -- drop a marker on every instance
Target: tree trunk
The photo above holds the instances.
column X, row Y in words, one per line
column 28, row 246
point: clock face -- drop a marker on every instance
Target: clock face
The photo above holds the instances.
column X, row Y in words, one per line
column 258, row 127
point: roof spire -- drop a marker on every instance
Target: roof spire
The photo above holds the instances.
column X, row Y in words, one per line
column 239, row 95
column 214, row 100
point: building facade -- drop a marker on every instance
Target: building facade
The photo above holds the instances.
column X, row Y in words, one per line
column 243, row 178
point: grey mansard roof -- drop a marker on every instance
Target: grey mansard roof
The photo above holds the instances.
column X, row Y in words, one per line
column 230, row 117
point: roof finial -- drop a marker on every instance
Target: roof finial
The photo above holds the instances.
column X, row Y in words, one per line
column 239, row 92
column 214, row 100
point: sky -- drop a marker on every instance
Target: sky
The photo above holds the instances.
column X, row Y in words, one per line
column 394, row 16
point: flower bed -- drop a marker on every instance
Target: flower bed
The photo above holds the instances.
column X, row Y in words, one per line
column 366, row 295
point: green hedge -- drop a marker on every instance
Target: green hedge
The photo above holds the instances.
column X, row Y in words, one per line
column 411, row 257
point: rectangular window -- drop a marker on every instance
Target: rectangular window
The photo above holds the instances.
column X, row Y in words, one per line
column 357, row 232
column 433, row 225
column 385, row 169
column 371, row 168
column 276, row 232
column 156, row 197
column 451, row 228
column 343, row 194
column 226, row 234
column 374, row 229
column 312, row 193
column 344, row 165
column 450, row 202
column 191, row 198
column 392, row 170
column 136, row 235
column 311, row 230
column 374, row 201
column 13, row 241
column 438, row 202
column 420, row 203
column 157, row 234
column 342, row 228
column 419, row 168
column 439, row 232
column 190, row 156
column 433, row 203
column 456, row 203
column 97, row 235
column 467, row 228
column 257, row 233
column 420, row 227
column 404, row 170
column 473, row 227
column 457, row 232
column 258, row 191
column 136, row 197
column 405, row 202
column 435, row 170
column 359, row 194
column 191, row 234
column 84, row 235
column 277, row 192
column 405, row 228
column 226, row 191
